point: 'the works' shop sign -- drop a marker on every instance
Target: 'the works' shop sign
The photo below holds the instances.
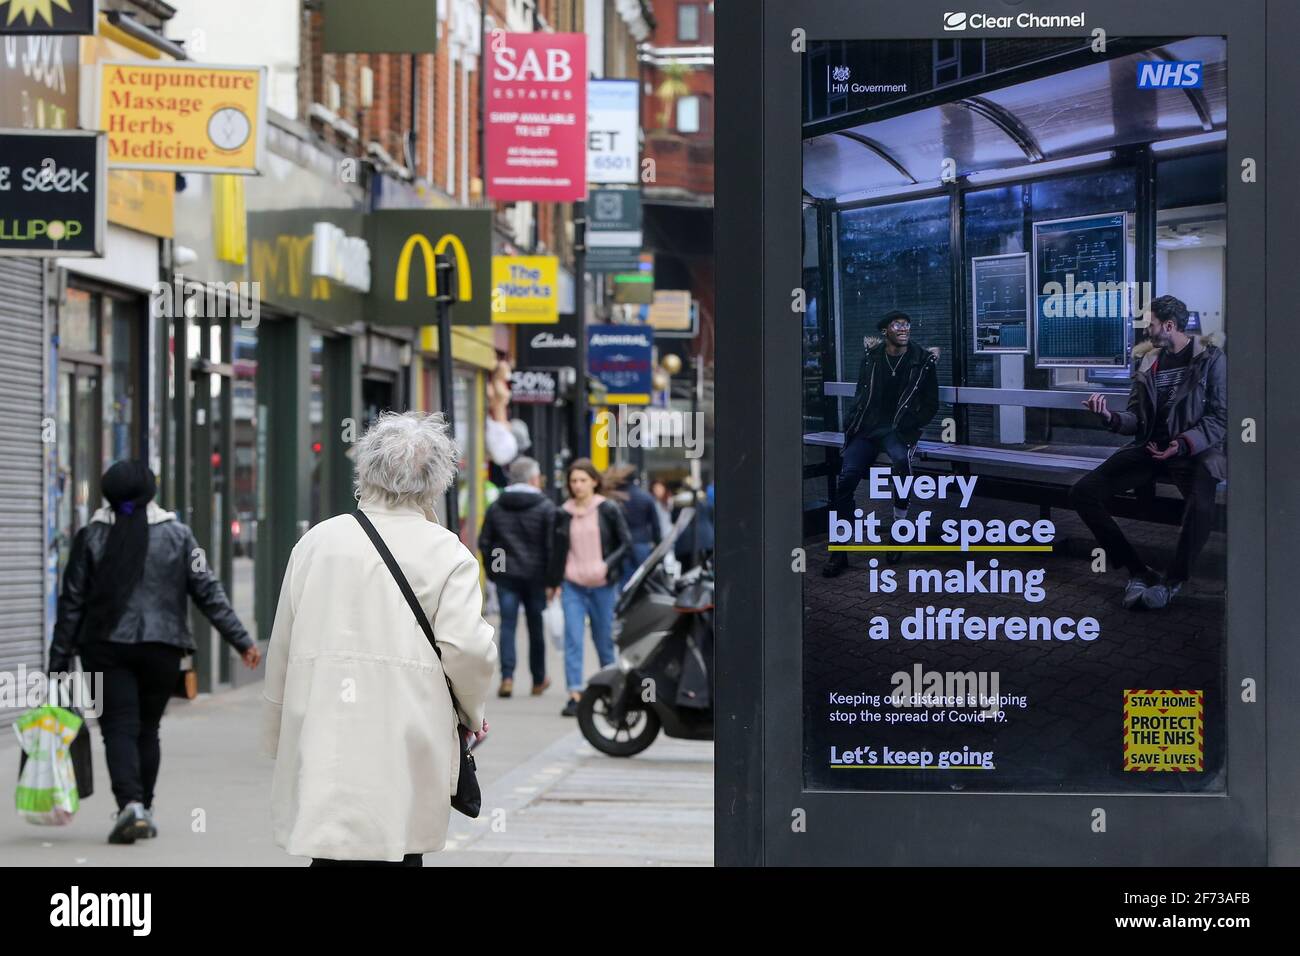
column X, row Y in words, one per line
column 47, row 17
column 620, row 357
column 537, row 116
column 52, row 195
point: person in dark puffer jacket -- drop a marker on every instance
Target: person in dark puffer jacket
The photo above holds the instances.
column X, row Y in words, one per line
column 515, row 543
column 125, row 611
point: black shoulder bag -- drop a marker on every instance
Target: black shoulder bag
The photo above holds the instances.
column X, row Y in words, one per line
column 468, row 799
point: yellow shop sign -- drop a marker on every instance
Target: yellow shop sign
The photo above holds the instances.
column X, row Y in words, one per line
column 183, row 117
column 525, row 289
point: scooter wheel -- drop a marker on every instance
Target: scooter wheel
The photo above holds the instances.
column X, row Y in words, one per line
column 633, row 734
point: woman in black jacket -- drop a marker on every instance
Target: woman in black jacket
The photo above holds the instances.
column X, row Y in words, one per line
column 591, row 541
column 124, row 610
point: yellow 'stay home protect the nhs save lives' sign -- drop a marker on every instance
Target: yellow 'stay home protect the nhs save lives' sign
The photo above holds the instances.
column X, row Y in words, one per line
column 525, row 289
column 185, row 117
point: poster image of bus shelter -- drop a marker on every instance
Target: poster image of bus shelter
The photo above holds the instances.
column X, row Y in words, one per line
column 1002, row 592
column 1082, row 305
column 1000, row 303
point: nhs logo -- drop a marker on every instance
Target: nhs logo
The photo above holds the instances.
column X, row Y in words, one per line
column 1176, row 74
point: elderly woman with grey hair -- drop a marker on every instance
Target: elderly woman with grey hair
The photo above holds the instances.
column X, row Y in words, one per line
column 359, row 715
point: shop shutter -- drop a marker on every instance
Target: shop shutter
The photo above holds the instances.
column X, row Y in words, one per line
column 22, row 485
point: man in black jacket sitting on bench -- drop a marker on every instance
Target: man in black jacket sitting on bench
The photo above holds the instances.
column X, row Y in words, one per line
column 1177, row 414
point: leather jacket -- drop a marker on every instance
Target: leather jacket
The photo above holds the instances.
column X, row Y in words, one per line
column 158, row 610
column 615, row 542
column 1198, row 414
column 918, row 397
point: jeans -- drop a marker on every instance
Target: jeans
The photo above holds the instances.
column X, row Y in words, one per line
column 138, row 682
column 859, row 455
column 579, row 603
column 1133, row 467
column 639, row 552
column 510, row 594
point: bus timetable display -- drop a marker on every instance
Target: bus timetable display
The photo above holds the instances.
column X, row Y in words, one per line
column 1081, row 305
column 1000, row 303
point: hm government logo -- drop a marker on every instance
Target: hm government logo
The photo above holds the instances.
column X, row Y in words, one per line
column 954, row 21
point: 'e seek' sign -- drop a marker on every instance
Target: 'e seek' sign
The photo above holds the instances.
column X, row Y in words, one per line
column 52, row 195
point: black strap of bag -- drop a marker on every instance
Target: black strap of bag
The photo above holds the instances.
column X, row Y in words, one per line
column 467, row 798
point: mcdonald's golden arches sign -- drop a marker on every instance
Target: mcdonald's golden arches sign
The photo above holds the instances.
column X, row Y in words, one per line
column 404, row 244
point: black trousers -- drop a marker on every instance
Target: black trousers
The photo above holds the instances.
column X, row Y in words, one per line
column 138, row 682
column 1133, row 467
column 411, row 859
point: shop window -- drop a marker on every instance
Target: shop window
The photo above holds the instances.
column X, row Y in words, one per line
column 100, row 388
column 123, row 348
column 79, row 322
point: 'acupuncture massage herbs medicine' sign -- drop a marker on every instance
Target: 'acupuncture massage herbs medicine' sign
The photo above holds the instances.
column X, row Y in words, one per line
column 1025, row 593
column 52, row 194
column 186, row 117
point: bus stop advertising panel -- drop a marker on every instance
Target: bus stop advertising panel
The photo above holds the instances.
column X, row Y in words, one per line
column 1008, row 508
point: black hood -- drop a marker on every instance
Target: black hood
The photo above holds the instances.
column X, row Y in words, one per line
column 520, row 500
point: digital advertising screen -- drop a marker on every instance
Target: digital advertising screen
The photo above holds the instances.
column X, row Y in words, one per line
column 1015, row 418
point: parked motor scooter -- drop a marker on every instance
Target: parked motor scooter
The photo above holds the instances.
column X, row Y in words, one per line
column 663, row 677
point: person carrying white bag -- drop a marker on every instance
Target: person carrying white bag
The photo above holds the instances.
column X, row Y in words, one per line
column 47, row 784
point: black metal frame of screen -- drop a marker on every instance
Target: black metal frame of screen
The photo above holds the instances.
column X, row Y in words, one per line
column 760, row 794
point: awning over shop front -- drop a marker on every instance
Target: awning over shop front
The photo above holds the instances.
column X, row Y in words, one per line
column 1078, row 112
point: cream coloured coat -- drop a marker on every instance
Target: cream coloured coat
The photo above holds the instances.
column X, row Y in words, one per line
column 357, row 713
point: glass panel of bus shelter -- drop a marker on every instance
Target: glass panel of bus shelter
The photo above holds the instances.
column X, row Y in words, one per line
column 896, row 256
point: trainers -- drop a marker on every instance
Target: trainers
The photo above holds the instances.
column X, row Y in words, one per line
column 153, row 830
column 570, row 708
column 837, row 565
column 1160, row 596
column 539, row 689
column 507, row 687
column 1133, row 592
column 131, row 825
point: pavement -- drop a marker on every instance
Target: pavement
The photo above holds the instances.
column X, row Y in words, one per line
column 549, row 798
